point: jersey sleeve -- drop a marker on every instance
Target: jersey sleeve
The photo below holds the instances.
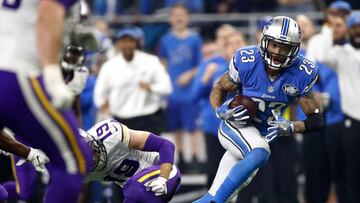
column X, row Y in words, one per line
column 123, row 131
column 110, row 129
column 242, row 63
column 311, row 75
column 233, row 71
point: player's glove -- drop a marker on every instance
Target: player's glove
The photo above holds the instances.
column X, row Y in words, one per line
column 37, row 158
column 61, row 95
column 279, row 127
column 77, row 84
column 237, row 114
column 158, row 186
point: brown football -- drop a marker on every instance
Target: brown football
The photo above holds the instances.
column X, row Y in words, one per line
column 247, row 102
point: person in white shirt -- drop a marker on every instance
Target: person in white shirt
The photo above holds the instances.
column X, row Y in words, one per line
column 345, row 59
column 130, row 85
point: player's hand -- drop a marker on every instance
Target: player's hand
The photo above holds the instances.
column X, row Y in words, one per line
column 61, row 96
column 145, row 86
column 279, row 127
column 77, row 84
column 158, row 186
column 37, row 158
column 237, row 114
column 185, row 78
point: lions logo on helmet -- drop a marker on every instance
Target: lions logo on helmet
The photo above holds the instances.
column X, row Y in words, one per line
column 282, row 32
column 98, row 150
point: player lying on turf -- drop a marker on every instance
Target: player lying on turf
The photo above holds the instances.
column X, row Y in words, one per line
column 138, row 161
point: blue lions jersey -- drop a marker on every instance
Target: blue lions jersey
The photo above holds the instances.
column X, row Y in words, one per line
column 247, row 68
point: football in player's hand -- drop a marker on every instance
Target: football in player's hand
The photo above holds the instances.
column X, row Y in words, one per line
column 247, row 102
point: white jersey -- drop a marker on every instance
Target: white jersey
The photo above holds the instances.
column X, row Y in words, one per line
column 122, row 162
column 18, row 48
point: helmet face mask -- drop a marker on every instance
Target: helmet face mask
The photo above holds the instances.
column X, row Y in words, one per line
column 72, row 58
column 280, row 43
column 98, row 149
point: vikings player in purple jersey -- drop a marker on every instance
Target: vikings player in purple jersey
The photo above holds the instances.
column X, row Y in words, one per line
column 138, row 161
column 75, row 75
column 34, row 107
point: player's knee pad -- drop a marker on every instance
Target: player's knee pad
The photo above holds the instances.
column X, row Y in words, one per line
column 240, row 141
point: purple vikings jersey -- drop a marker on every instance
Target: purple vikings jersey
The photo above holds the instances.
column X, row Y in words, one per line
column 247, row 68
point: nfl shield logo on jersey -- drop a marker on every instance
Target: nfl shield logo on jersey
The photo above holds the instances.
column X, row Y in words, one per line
column 290, row 90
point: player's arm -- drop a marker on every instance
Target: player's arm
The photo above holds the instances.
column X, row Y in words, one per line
column 218, row 94
column 9, row 144
column 313, row 109
column 146, row 141
column 50, row 27
column 49, row 32
column 37, row 158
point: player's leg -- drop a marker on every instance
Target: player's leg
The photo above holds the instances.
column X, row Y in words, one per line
column 3, row 194
column 24, row 182
column 227, row 162
column 135, row 189
column 174, row 126
column 28, row 112
column 189, row 115
column 243, row 142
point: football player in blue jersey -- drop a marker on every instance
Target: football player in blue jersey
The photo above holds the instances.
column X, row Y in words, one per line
column 273, row 75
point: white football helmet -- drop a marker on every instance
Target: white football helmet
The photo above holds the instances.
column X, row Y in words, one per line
column 285, row 31
column 98, row 150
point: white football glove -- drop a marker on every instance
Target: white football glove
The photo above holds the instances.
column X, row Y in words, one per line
column 61, row 96
column 279, row 127
column 37, row 158
column 158, row 186
column 77, row 84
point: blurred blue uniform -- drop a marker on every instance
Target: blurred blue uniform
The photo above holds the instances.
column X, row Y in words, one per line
column 88, row 109
column 181, row 54
column 200, row 93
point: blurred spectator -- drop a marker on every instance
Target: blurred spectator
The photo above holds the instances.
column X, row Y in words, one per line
column 322, row 151
column 180, row 51
column 295, row 6
column 336, row 27
column 234, row 42
column 307, row 29
column 340, row 8
column 88, row 108
column 130, row 85
column 208, row 72
column 345, row 60
column 209, row 49
column 193, row 6
column 260, row 26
